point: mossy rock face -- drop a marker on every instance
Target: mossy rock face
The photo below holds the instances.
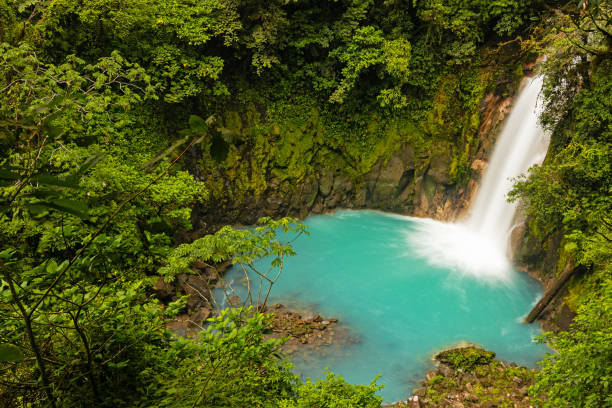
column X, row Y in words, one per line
column 465, row 358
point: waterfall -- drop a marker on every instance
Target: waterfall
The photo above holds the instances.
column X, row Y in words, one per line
column 521, row 144
column 478, row 245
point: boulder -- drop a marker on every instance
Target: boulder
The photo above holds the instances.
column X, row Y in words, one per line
column 195, row 285
column 439, row 166
column 342, row 183
column 180, row 325
column 201, row 315
column 274, row 202
column 326, row 182
column 310, row 189
column 383, row 181
column 164, row 290
column 234, row 301
column 392, row 172
column 479, row 166
column 360, row 197
column 334, row 199
column 317, row 208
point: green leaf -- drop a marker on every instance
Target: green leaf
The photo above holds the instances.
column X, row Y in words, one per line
column 219, row 148
column 52, row 130
column 197, row 124
column 165, row 153
column 10, row 353
column 88, row 164
column 8, row 175
column 76, row 208
column 37, row 209
column 47, row 179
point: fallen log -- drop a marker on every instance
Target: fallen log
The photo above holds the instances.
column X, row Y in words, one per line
column 551, row 292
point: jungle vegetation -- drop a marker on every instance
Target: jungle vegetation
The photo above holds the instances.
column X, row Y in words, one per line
column 121, row 121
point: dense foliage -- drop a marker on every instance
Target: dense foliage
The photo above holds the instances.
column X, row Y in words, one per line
column 580, row 375
column 121, row 122
column 571, row 195
column 290, row 87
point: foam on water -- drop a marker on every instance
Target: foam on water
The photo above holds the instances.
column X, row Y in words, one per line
column 455, row 247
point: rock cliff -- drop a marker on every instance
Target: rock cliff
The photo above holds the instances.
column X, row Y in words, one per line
column 410, row 181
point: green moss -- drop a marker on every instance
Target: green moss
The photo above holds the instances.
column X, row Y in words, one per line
column 465, row 358
column 289, row 135
column 490, row 381
column 435, row 396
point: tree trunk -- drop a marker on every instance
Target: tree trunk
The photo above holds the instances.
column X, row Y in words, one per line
column 550, row 294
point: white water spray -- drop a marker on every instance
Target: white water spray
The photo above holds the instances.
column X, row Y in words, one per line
column 478, row 245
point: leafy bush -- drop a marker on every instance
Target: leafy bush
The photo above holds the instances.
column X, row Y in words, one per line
column 579, row 374
column 334, row 392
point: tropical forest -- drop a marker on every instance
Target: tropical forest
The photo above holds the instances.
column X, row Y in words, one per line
column 305, row 203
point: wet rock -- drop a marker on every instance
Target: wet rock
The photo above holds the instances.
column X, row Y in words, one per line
column 491, row 384
column 326, row 182
column 274, row 202
column 479, row 166
column 199, row 266
column 274, row 183
column 342, row 183
column 382, row 182
column 179, row 326
column 195, row 285
column 445, row 370
column 439, row 166
column 310, row 189
column 392, row 172
column 360, row 197
column 201, row 315
column 308, row 332
column 317, row 208
column 234, row 301
column 333, row 199
column 164, row 290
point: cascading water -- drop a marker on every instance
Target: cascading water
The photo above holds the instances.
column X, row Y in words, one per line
column 522, row 144
column 478, row 245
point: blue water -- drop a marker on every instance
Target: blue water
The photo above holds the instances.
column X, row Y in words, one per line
column 359, row 266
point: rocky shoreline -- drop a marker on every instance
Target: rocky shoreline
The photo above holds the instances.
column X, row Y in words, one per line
column 308, row 333
column 472, row 377
column 412, row 180
column 464, row 376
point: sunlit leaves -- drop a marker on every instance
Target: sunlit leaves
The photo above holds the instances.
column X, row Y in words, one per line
column 43, row 102
column 243, row 246
column 334, row 391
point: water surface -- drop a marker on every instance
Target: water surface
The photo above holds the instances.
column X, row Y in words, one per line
column 362, row 267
